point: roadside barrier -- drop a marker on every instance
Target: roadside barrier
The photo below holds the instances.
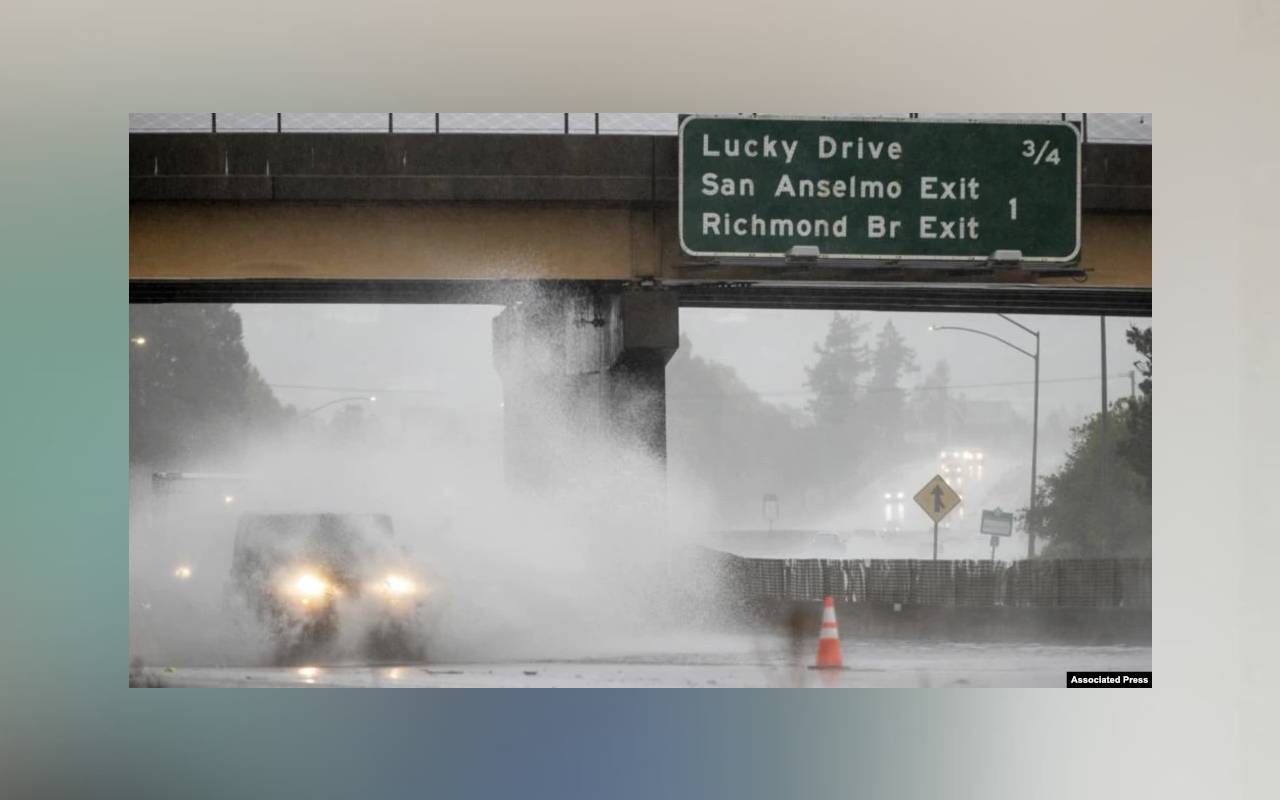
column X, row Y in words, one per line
column 1038, row 583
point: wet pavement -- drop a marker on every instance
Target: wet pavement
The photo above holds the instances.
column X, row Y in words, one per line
column 723, row 663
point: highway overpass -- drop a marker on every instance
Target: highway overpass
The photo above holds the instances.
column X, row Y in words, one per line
column 575, row 233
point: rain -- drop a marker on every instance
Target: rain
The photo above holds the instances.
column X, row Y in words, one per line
column 611, row 574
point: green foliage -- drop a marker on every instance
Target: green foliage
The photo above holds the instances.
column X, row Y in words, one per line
column 727, row 437
column 886, row 400
column 838, row 441
column 892, row 359
column 934, row 405
column 742, row 446
column 193, row 394
column 1135, row 448
column 1140, row 338
column 1099, row 502
column 859, row 408
column 842, row 360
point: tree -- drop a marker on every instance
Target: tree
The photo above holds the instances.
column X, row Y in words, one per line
column 193, row 393
column 1079, row 516
column 933, row 404
column 1068, row 517
column 886, row 412
column 838, row 443
column 833, row 378
column 1140, row 338
column 727, row 438
column 1135, row 447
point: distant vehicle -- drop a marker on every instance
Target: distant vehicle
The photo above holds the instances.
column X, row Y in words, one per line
column 960, row 465
column 895, row 504
column 305, row 576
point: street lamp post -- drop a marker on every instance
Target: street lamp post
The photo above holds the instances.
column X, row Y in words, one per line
column 137, row 386
column 1035, row 409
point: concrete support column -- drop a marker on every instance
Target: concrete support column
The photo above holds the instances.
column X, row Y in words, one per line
column 583, row 372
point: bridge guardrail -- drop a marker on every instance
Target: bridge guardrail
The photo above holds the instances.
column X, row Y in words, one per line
column 1132, row 128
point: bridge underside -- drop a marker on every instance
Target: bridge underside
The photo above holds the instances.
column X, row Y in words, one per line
column 869, row 296
column 502, row 253
column 492, row 219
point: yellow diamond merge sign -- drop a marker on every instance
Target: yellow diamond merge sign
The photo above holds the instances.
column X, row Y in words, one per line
column 937, row 498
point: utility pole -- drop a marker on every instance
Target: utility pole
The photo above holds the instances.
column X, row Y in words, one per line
column 1035, row 412
column 1103, row 449
column 1035, row 441
column 1103, row 338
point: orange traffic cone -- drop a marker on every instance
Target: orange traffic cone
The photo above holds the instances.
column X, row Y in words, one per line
column 829, row 655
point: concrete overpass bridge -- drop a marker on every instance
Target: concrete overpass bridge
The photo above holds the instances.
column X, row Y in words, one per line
column 576, row 234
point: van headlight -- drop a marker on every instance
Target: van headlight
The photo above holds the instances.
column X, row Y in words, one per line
column 399, row 589
column 308, row 587
column 398, row 586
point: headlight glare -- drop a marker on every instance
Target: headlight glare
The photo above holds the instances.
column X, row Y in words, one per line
column 398, row 586
column 309, row 586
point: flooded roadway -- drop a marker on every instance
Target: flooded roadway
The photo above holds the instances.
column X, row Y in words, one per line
column 719, row 662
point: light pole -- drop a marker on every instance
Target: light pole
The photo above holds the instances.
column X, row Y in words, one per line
column 363, row 398
column 136, row 383
column 1035, row 409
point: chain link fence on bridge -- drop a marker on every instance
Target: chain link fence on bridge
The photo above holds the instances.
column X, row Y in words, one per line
column 1100, row 128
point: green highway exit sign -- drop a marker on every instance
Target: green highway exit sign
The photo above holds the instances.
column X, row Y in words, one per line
column 879, row 190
